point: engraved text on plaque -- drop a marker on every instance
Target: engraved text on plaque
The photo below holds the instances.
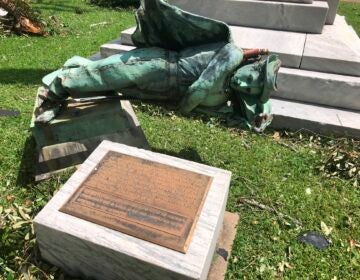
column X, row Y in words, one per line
column 149, row 200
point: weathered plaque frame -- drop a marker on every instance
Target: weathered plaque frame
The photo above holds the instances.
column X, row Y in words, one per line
column 146, row 199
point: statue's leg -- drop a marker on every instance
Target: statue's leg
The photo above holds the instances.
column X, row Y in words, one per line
column 134, row 73
column 144, row 69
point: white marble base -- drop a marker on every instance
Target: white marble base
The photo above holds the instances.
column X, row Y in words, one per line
column 288, row 45
column 319, row 88
column 262, row 14
column 337, row 50
column 293, row 115
column 85, row 249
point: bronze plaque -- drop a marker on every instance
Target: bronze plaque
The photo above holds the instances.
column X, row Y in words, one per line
column 142, row 198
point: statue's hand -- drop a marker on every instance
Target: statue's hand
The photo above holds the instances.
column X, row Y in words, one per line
column 46, row 109
column 262, row 121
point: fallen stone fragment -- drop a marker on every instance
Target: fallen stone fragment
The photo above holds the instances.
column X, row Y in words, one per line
column 8, row 113
column 315, row 239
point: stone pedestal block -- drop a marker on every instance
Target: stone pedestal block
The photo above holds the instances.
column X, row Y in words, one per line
column 70, row 138
column 287, row 16
column 89, row 250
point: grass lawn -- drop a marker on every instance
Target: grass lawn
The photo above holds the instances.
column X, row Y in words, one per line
column 282, row 170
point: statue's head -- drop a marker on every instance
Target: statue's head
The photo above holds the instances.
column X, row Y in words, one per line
column 251, row 86
column 257, row 79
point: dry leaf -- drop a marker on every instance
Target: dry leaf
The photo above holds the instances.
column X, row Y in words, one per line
column 325, row 229
column 23, row 214
column 354, row 244
column 20, row 224
column 276, row 136
column 28, row 203
column 282, row 265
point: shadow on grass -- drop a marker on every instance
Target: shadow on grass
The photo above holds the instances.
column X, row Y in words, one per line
column 22, row 76
column 56, row 6
column 187, row 153
column 28, row 163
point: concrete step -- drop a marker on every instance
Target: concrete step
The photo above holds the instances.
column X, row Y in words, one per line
column 287, row 16
column 336, row 50
column 319, row 119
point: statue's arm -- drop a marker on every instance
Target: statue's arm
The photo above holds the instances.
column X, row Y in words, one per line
column 213, row 77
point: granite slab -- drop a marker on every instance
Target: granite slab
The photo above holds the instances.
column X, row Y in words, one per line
column 85, row 249
column 292, row 115
column 288, row 45
column 319, row 88
column 287, row 16
column 336, row 50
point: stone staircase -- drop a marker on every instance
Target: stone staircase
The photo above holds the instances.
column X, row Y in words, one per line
column 319, row 81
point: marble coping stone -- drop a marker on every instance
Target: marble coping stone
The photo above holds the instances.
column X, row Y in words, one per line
column 319, row 119
column 333, row 6
column 288, row 45
column 319, row 88
column 86, row 249
column 337, row 50
column 297, row 17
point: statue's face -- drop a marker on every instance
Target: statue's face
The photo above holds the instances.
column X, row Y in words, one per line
column 248, row 79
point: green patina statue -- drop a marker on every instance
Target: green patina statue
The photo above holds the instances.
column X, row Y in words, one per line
column 182, row 58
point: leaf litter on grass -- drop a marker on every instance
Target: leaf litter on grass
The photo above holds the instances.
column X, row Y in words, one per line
column 341, row 156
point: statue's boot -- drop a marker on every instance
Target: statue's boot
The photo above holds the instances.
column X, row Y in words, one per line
column 47, row 108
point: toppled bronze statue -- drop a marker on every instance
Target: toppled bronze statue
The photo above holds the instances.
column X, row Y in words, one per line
column 181, row 57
